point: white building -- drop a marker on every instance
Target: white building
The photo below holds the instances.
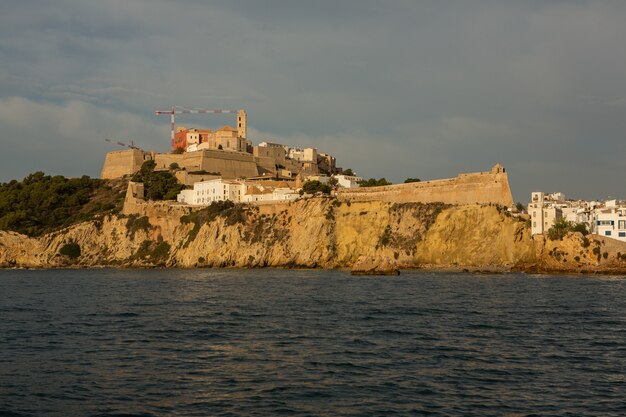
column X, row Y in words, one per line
column 303, row 155
column 543, row 212
column 324, row 179
column 348, row 181
column 605, row 219
column 260, row 193
column 206, row 192
column 610, row 221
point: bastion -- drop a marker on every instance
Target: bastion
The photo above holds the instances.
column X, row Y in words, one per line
column 227, row 164
column 491, row 187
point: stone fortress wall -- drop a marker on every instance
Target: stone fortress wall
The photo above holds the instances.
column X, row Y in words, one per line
column 120, row 163
column 469, row 188
column 228, row 163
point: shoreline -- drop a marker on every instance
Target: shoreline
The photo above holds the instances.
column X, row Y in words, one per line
column 433, row 269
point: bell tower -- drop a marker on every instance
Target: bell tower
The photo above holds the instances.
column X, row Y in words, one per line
column 242, row 124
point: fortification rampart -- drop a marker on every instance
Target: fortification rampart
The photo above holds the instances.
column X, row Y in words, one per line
column 469, row 188
column 120, row 163
column 228, row 163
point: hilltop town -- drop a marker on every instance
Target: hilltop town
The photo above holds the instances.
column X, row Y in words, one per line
column 221, row 200
column 225, row 165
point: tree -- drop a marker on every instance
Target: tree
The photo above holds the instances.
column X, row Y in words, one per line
column 563, row 227
column 520, row 207
column 348, row 172
column 408, row 180
column 372, row 182
column 71, row 250
column 158, row 185
column 174, row 166
column 41, row 203
column 178, row 150
column 314, row 187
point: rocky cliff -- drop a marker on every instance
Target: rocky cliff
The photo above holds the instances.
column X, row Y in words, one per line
column 317, row 232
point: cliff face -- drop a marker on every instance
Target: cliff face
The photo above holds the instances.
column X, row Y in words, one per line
column 309, row 233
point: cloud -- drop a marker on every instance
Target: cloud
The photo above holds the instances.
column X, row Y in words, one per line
column 423, row 89
column 66, row 138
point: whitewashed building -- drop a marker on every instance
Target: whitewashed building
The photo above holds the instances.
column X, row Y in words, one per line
column 207, row 192
column 610, row 221
column 260, row 193
column 348, row 181
column 543, row 211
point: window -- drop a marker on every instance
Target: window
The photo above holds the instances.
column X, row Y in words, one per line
column 607, row 233
column 622, row 234
column 621, row 224
column 534, row 224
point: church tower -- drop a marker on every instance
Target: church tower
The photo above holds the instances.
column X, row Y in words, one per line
column 242, row 124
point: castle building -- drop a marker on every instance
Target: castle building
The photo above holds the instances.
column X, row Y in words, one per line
column 224, row 138
column 225, row 152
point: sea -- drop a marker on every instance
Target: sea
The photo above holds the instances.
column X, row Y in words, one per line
column 272, row 342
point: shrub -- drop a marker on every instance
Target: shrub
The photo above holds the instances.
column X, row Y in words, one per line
column 161, row 251
column 71, row 250
column 135, row 223
column 158, row 185
column 174, row 166
column 348, row 172
column 314, row 187
column 562, row 227
column 580, row 227
column 372, row 182
column 233, row 214
column 41, row 203
column 409, row 180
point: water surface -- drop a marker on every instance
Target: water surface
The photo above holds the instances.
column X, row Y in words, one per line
column 303, row 343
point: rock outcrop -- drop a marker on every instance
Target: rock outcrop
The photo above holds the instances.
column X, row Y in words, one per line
column 318, row 232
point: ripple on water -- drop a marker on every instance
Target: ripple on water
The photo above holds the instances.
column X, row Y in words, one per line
column 300, row 343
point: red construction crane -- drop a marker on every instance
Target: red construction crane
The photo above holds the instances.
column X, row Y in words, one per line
column 131, row 146
column 183, row 110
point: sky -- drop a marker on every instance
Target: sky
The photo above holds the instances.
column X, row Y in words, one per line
column 393, row 89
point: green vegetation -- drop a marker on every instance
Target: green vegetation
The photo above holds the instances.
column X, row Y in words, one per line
column 563, row 227
column 394, row 237
column 520, row 207
column 71, row 250
column 42, row 203
column 178, row 151
column 348, row 172
column 409, row 180
column 136, row 223
column 231, row 212
column 314, row 187
column 203, row 172
column 373, row 182
column 155, row 252
column 158, row 185
column 174, row 166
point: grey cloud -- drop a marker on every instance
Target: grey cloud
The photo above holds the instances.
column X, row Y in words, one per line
column 394, row 89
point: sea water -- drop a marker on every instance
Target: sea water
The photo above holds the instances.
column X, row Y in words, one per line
column 232, row 342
